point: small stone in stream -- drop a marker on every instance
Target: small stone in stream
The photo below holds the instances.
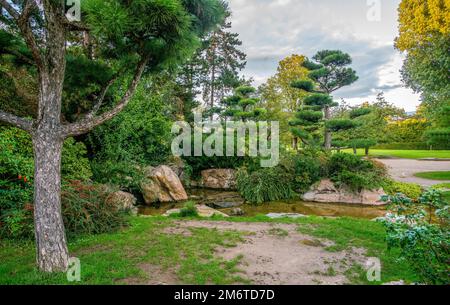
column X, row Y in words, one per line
column 237, row 212
column 203, row 211
column 284, row 215
column 225, row 204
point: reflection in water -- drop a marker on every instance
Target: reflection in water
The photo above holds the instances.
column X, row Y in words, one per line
column 288, row 206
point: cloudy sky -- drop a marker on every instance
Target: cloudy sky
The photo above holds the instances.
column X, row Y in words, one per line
column 273, row 29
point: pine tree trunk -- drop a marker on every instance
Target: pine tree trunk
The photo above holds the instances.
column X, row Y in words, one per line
column 295, row 143
column 51, row 248
column 327, row 134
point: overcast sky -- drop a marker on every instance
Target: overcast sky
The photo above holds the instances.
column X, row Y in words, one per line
column 273, row 29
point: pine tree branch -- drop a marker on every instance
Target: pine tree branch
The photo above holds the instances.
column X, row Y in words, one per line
column 16, row 121
column 99, row 102
column 23, row 21
column 10, row 9
column 88, row 123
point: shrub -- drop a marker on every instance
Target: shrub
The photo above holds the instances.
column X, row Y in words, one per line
column 86, row 210
column 74, row 164
column 127, row 176
column 265, row 185
column 421, row 232
column 197, row 164
column 17, row 223
column 16, row 179
column 410, row 190
column 139, row 135
column 189, row 210
column 306, row 168
column 16, row 190
column 404, row 146
column 355, row 173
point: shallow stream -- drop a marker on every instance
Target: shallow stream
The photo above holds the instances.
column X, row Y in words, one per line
column 285, row 206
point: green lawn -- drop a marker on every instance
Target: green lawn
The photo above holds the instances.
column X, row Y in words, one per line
column 406, row 154
column 442, row 185
column 434, row 175
column 118, row 258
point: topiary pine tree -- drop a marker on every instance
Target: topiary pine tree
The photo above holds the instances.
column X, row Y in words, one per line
column 241, row 105
column 353, row 139
column 330, row 71
column 309, row 118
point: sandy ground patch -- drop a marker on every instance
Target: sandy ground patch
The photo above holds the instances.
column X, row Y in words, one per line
column 277, row 254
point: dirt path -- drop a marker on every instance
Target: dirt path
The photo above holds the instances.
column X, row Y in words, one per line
column 277, row 254
column 404, row 169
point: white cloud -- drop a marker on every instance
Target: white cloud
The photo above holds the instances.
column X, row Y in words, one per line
column 273, row 29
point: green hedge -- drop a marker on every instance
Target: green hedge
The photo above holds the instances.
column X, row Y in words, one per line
column 411, row 146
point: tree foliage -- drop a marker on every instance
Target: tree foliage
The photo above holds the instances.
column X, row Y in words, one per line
column 329, row 71
column 279, row 98
column 424, row 28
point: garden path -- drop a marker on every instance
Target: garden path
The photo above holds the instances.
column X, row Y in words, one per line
column 403, row 170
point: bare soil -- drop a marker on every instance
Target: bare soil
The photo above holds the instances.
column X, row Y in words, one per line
column 274, row 254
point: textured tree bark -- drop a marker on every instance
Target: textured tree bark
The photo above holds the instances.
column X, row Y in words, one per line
column 48, row 133
column 51, row 248
column 327, row 134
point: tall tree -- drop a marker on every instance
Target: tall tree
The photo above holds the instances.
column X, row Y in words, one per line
column 329, row 69
column 424, row 35
column 130, row 38
column 221, row 62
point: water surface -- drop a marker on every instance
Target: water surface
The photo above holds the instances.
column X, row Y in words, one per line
column 285, row 206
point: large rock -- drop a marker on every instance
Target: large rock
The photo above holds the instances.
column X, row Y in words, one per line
column 123, row 201
column 178, row 166
column 223, row 179
column 326, row 192
column 162, row 185
column 203, row 211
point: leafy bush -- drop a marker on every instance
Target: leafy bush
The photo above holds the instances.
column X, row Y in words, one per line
column 16, row 179
column 74, row 164
column 198, row 164
column 410, row 190
column 86, row 210
column 404, row 146
column 355, row 173
column 125, row 175
column 265, row 185
column 306, row 168
column 16, row 190
column 421, row 232
column 139, row 136
column 189, row 210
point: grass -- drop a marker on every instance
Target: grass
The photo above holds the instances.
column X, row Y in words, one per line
column 442, row 185
column 434, row 175
column 405, row 154
column 116, row 258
